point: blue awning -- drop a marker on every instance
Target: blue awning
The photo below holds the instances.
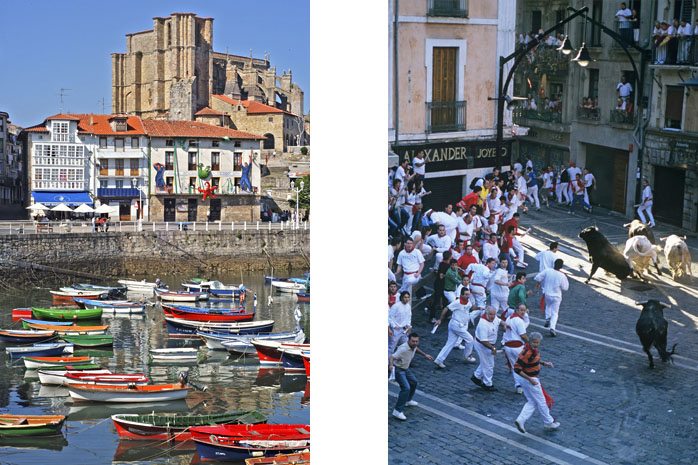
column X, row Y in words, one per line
column 121, row 192
column 53, row 198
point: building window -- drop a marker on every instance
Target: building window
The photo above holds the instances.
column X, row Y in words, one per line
column 119, row 144
column 135, row 143
column 237, row 161
column 119, row 183
column 237, row 144
column 102, row 142
column 271, row 119
column 674, row 107
column 134, row 165
column 103, row 183
column 169, row 143
column 193, row 143
column 192, row 161
column 536, row 20
column 119, row 167
column 59, row 131
column 593, row 83
column 192, row 182
column 215, row 161
column 169, row 180
column 215, row 181
column 452, row 8
column 104, row 168
column 215, row 143
column 169, row 160
column 445, row 107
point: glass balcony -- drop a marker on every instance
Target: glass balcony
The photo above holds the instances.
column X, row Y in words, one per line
column 446, row 116
column 448, row 8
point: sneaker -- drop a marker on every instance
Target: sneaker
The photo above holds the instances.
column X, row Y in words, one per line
column 553, row 333
column 518, row 425
column 552, row 426
column 439, row 364
column 521, row 264
column 470, row 359
column 411, row 403
column 519, row 390
column 489, row 388
column 399, row 415
column 476, row 380
column 460, row 347
column 547, row 323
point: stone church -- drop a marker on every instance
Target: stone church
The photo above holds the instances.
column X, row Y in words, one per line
column 172, row 72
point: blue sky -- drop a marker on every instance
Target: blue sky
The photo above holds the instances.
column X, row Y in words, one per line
column 48, row 45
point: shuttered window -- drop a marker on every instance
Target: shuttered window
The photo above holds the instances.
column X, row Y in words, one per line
column 674, row 107
column 444, row 69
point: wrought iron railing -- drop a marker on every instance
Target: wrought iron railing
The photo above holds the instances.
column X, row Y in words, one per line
column 450, row 8
column 589, row 114
column 537, row 115
column 622, row 117
column 678, row 51
column 446, row 116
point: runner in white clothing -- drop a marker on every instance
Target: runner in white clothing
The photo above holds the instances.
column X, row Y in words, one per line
column 440, row 242
column 478, row 281
column 446, row 218
column 499, row 287
column 399, row 322
column 546, row 259
column 410, row 262
column 646, row 205
column 553, row 282
column 457, row 329
column 485, row 340
column 490, row 249
column 514, row 339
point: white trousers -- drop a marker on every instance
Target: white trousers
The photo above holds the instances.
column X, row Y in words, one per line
column 533, row 196
column 645, row 207
column 456, row 332
column 408, row 280
column 512, row 354
column 485, row 369
column 478, row 293
column 535, row 400
column 518, row 248
column 499, row 301
column 552, row 309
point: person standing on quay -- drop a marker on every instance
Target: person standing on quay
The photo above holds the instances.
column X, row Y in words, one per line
column 646, row 205
column 405, row 378
column 457, row 328
column 527, row 370
column 553, row 282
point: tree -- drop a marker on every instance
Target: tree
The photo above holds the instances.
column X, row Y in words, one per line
column 303, row 196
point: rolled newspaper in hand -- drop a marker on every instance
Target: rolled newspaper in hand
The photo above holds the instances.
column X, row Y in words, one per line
column 433, row 330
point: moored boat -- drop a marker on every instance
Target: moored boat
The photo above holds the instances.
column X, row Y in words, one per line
column 296, row 458
column 40, row 350
column 121, row 306
column 90, row 340
column 72, row 329
column 271, row 352
column 169, row 427
column 292, row 356
column 303, row 297
column 215, row 288
column 40, row 362
column 67, row 313
column 183, row 353
column 239, row 442
column 306, row 362
column 112, row 379
column 245, row 327
column 57, row 375
column 174, row 296
column 138, row 286
column 30, row 425
column 146, row 393
column 26, row 322
column 26, row 336
column 207, row 314
column 66, row 297
column 288, row 286
column 242, row 344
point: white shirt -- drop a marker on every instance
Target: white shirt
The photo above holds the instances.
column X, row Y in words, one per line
column 449, row 222
column 502, row 275
column 515, row 328
column 623, row 16
column 461, row 312
column 419, row 169
column 546, row 259
column 573, row 171
column 441, row 244
column 685, row 30
column 400, row 174
column 624, row 90
column 489, row 250
column 481, row 274
column 521, row 185
column 421, row 194
column 553, row 282
column 671, row 30
column 391, row 253
column 589, row 179
column 465, row 229
column 410, row 261
column 647, row 194
column 487, row 331
column 547, row 180
column 529, row 164
column 517, row 166
column 400, row 315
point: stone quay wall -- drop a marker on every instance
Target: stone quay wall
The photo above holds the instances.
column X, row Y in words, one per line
column 160, row 253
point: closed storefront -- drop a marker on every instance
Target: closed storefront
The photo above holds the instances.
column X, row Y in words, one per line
column 610, row 168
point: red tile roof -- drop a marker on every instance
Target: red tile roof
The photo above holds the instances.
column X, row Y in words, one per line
column 253, row 107
column 206, row 111
column 95, row 124
column 161, row 128
column 63, row 116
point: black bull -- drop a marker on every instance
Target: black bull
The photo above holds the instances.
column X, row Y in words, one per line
column 603, row 255
column 652, row 328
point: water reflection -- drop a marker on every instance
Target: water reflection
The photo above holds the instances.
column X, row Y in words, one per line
column 234, row 382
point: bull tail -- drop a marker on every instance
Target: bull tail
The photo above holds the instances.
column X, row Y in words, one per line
column 666, row 355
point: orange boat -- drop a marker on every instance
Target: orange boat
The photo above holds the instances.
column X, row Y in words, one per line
column 299, row 458
column 131, row 393
column 33, row 363
column 72, row 329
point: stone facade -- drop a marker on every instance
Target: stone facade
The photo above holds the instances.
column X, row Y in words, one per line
column 172, row 71
column 11, row 162
column 161, row 253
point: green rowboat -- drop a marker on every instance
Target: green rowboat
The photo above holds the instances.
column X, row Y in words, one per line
column 67, row 313
column 30, row 425
column 90, row 340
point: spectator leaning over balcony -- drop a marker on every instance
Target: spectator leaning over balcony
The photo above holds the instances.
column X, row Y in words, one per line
column 673, row 45
column 635, row 22
column 662, row 37
column 620, row 104
column 685, row 34
column 624, row 89
column 625, row 27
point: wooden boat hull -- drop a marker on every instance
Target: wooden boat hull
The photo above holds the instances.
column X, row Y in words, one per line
column 58, row 377
column 90, row 340
column 170, row 296
column 39, row 362
column 26, row 336
column 288, row 287
column 303, row 297
column 298, row 458
column 174, row 354
column 306, row 363
column 64, row 314
column 40, row 350
column 30, row 425
column 137, row 286
column 206, row 316
column 111, row 379
column 164, row 427
column 27, row 322
column 177, row 325
column 243, row 344
column 71, row 330
column 148, row 393
column 292, row 360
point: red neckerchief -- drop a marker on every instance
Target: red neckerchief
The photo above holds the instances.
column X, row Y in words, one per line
column 515, row 315
column 464, row 303
column 392, row 298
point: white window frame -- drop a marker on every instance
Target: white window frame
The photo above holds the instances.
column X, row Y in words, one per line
column 57, row 131
column 462, row 46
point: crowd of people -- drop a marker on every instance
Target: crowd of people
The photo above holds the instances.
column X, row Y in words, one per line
column 674, row 42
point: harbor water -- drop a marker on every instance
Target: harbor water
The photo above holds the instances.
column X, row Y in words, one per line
column 233, row 382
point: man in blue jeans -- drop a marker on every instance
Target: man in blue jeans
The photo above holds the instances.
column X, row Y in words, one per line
column 405, row 378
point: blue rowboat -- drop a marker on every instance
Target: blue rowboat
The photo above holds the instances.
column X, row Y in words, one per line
column 186, row 327
column 27, row 321
column 25, row 336
column 109, row 306
column 40, row 350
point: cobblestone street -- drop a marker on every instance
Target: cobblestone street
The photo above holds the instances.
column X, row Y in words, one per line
column 612, row 408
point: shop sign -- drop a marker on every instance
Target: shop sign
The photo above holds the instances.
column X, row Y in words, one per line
column 447, row 156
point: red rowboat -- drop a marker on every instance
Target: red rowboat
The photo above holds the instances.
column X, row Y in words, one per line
column 207, row 314
column 19, row 313
column 131, row 393
column 300, row 458
column 114, row 379
column 306, row 362
column 270, row 352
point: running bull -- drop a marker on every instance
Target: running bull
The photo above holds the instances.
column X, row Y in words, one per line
column 652, row 328
column 604, row 255
column 677, row 256
column 638, row 228
column 639, row 253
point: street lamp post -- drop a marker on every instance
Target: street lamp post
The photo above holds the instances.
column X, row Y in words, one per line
column 297, row 190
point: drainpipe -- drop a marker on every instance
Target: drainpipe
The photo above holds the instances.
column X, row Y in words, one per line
column 396, row 104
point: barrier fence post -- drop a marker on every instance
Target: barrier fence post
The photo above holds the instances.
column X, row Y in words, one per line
column 207, row 226
column 257, row 225
column 245, row 225
column 167, row 226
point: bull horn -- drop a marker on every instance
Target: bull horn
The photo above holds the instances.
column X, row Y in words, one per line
column 626, row 225
column 664, row 304
column 641, row 303
column 683, row 237
column 663, row 238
